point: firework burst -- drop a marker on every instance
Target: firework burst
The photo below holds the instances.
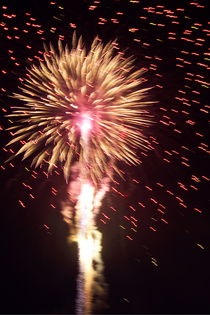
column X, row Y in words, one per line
column 69, row 86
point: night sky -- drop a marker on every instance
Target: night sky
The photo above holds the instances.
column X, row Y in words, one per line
column 155, row 222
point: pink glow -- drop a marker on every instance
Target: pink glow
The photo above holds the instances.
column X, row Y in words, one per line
column 85, row 124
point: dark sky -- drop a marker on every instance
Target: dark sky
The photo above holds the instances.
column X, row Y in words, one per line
column 155, row 224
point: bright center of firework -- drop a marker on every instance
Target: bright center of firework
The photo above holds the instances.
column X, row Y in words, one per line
column 85, row 124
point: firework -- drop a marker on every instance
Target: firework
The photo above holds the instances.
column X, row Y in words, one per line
column 171, row 39
column 89, row 108
column 69, row 86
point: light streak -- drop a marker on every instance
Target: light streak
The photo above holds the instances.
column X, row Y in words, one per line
column 86, row 249
column 90, row 280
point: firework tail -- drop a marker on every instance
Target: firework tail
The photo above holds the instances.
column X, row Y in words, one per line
column 91, row 287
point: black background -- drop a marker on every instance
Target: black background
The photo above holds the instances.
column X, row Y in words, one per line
column 38, row 266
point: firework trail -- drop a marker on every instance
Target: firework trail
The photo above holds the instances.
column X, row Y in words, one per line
column 90, row 282
column 85, row 107
column 85, row 226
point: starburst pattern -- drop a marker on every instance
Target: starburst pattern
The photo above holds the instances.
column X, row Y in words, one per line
column 70, row 84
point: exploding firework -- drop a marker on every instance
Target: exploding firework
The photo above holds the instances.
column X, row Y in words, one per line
column 171, row 40
column 73, row 90
column 84, row 107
